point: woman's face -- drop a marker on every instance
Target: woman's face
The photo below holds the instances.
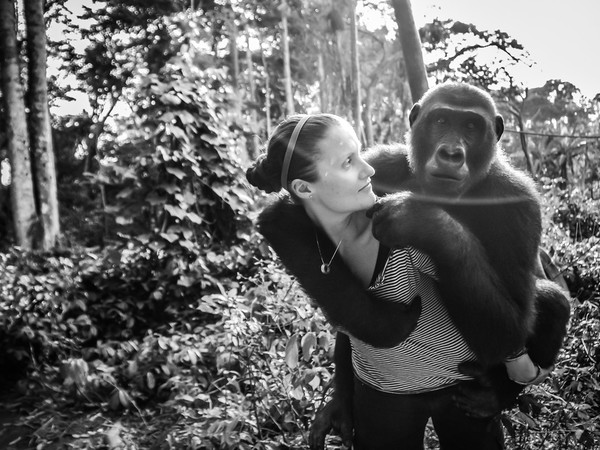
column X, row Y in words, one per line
column 344, row 177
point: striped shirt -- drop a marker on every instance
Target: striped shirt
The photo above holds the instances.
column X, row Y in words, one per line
column 428, row 359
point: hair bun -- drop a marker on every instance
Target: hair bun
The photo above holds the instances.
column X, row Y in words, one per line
column 263, row 175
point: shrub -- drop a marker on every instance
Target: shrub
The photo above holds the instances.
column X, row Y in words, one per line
column 572, row 237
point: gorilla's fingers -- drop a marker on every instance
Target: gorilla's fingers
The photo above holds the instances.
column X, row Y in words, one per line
column 321, row 426
column 346, row 433
column 373, row 209
column 460, row 402
column 318, row 432
column 476, row 401
column 475, row 370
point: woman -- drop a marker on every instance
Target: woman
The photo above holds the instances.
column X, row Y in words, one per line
column 397, row 389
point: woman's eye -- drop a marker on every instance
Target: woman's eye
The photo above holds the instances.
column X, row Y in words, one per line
column 441, row 120
column 471, row 125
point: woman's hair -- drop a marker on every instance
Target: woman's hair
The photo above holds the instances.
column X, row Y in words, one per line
column 265, row 173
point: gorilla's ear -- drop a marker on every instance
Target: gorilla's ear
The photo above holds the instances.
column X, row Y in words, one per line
column 499, row 127
column 414, row 112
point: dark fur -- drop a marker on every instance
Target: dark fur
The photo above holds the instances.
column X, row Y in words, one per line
column 486, row 253
column 488, row 225
column 342, row 298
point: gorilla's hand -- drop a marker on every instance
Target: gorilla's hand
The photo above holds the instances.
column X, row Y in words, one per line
column 335, row 415
column 477, row 398
column 488, row 393
column 402, row 219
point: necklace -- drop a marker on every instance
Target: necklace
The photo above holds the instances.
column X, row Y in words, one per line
column 325, row 267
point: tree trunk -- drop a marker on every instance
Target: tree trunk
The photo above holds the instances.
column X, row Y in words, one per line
column 267, row 89
column 524, row 147
column 90, row 141
column 253, row 143
column 411, row 47
column 368, row 124
column 517, row 112
column 342, row 100
column 235, row 72
column 287, row 75
column 22, row 195
column 40, row 132
column 233, row 50
column 322, row 78
column 356, row 97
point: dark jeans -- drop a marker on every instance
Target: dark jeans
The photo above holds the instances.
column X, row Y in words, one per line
column 397, row 422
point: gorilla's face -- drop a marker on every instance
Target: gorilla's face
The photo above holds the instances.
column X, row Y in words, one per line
column 452, row 142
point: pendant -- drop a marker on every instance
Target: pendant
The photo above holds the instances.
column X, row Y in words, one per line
column 325, row 269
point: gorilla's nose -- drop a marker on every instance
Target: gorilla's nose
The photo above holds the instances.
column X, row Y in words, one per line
column 451, row 154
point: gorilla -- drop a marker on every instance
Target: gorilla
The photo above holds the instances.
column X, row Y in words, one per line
column 453, row 195
column 479, row 220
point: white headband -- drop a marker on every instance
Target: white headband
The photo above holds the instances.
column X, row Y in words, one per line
column 285, row 168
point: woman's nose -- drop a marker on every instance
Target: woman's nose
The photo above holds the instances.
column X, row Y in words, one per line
column 368, row 170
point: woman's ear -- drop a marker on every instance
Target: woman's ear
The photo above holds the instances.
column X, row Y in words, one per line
column 301, row 188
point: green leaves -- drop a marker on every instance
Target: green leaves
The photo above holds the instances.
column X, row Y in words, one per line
column 169, row 99
column 75, row 371
column 291, row 352
column 309, row 343
column 179, row 174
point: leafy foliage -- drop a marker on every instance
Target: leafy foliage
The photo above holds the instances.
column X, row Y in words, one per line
column 564, row 411
column 572, row 237
column 255, row 343
column 179, row 171
column 459, row 51
column 580, row 223
column 168, row 323
column 242, row 361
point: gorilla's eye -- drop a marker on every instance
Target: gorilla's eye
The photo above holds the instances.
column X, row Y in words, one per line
column 471, row 125
column 441, row 120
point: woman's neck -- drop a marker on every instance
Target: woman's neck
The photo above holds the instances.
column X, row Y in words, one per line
column 352, row 237
column 338, row 226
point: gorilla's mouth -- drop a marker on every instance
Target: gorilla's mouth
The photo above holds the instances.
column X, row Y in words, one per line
column 446, row 177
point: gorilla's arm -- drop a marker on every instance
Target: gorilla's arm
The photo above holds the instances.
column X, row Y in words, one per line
column 489, row 392
column 492, row 313
column 337, row 414
column 340, row 295
column 552, row 312
column 392, row 169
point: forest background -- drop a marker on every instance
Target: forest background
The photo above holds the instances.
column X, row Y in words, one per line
column 139, row 307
